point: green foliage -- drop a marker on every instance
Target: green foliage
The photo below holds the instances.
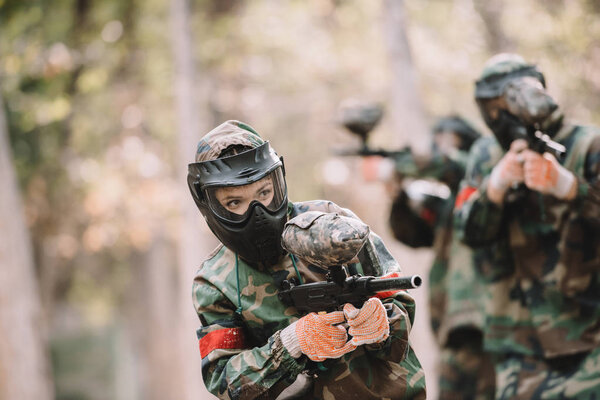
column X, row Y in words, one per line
column 85, row 364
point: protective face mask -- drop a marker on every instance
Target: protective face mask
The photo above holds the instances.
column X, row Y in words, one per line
column 262, row 234
column 507, row 128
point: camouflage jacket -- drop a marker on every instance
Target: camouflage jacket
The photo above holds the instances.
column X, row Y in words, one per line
column 455, row 287
column 242, row 353
column 540, row 255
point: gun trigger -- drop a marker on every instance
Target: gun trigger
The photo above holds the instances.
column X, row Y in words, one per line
column 286, row 285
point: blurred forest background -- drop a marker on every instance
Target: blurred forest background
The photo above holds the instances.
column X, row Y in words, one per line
column 102, row 103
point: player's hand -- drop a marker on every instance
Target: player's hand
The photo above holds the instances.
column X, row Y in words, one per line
column 318, row 336
column 369, row 324
column 377, row 168
column 508, row 172
column 544, row 174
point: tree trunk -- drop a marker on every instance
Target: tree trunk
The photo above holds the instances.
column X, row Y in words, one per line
column 153, row 297
column 195, row 241
column 24, row 367
column 491, row 14
column 406, row 111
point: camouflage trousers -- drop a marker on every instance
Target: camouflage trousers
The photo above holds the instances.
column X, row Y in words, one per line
column 569, row 377
column 466, row 373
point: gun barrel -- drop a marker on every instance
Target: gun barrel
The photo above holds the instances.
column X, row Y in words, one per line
column 557, row 149
column 367, row 151
column 407, row 282
column 546, row 144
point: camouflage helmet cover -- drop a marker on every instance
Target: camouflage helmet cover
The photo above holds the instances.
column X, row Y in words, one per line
column 227, row 134
column 499, row 70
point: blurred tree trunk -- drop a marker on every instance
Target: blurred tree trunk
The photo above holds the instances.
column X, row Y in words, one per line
column 406, row 111
column 152, row 300
column 193, row 244
column 24, row 367
column 491, row 14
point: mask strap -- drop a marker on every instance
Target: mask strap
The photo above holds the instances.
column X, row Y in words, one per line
column 237, row 277
column 296, row 268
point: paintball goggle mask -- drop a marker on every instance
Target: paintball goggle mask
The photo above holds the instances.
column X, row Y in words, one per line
column 244, row 201
column 512, row 98
column 235, row 203
column 453, row 132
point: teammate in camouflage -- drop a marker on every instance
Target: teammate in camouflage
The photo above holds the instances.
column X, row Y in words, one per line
column 537, row 221
column 455, row 296
column 251, row 344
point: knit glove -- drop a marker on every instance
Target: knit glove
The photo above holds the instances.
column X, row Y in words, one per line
column 509, row 170
column 376, row 168
column 369, row 324
column 317, row 336
column 545, row 175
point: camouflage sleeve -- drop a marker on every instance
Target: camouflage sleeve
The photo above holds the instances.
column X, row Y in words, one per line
column 477, row 219
column 588, row 188
column 231, row 367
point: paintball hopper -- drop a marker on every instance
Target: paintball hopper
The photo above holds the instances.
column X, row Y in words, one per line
column 324, row 239
column 330, row 240
column 360, row 117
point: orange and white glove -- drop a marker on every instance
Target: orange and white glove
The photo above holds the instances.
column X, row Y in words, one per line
column 377, row 168
column 545, row 175
column 369, row 324
column 318, row 336
column 509, row 170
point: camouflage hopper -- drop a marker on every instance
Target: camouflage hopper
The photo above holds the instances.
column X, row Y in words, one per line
column 324, row 239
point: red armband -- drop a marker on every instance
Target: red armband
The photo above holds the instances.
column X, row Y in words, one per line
column 463, row 196
column 228, row 338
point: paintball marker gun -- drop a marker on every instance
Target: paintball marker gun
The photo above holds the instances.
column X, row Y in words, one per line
column 331, row 241
column 541, row 143
column 532, row 105
column 360, row 119
column 335, row 292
